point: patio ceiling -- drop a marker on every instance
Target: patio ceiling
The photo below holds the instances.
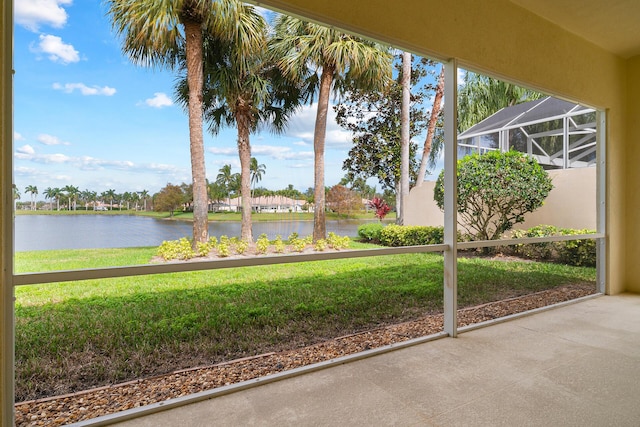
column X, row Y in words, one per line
column 609, row 24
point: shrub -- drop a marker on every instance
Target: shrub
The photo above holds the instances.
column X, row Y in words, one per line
column 241, row 246
column 580, row 253
column 411, row 235
column 370, row 232
column 337, row 242
column 495, row 191
column 262, row 244
column 320, row 245
column 203, row 248
column 380, row 206
column 298, row 244
column 223, row 249
column 278, row 244
column 540, row 251
column 176, row 249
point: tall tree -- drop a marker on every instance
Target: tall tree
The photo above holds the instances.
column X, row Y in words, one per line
column 89, row 197
column 257, row 170
column 50, row 194
column 168, row 199
column 144, row 195
column 326, row 59
column 109, row 195
column 405, row 136
column 152, row 37
column 225, row 178
column 33, row 190
column 242, row 87
column 373, row 117
column 433, row 144
column 72, row 195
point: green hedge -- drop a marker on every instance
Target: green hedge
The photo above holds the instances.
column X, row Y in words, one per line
column 411, row 235
column 580, row 252
column 370, row 232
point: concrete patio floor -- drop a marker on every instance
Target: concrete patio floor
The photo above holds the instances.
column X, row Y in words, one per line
column 578, row 365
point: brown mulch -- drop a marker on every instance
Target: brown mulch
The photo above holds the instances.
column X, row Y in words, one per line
column 60, row 410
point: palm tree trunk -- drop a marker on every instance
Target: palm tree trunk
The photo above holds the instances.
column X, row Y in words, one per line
column 404, row 136
column 431, row 127
column 244, row 150
column 319, row 221
column 193, row 35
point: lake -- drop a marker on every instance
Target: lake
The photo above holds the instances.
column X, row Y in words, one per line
column 41, row 232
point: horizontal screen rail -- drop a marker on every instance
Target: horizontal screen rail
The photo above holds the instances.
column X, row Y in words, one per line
column 184, row 266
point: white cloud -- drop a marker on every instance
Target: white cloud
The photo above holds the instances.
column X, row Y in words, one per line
column 88, row 163
column 17, row 137
column 57, row 50
column 84, row 89
column 159, row 100
column 272, row 151
column 223, row 151
column 33, row 13
column 51, row 140
column 26, row 149
column 280, row 153
column 302, row 126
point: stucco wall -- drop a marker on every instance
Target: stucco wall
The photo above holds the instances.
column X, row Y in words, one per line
column 505, row 40
column 571, row 203
column 632, row 175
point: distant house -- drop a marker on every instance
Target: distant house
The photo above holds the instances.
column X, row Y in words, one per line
column 265, row 204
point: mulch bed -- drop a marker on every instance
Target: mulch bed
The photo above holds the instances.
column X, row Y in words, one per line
column 60, row 410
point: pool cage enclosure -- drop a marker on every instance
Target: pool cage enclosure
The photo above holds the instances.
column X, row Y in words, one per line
column 557, row 133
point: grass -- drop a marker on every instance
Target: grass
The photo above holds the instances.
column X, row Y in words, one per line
column 73, row 336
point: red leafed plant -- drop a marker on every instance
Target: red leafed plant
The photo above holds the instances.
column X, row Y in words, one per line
column 381, row 207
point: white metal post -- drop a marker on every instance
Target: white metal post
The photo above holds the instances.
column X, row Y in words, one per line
column 450, row 198
column 601, row 197
column 6, row 217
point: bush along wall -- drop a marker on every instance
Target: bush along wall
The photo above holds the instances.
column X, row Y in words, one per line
column 581, row 253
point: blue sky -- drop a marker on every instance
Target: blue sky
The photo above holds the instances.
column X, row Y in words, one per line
column 84, row 115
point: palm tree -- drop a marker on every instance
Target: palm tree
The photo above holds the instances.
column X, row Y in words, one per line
column 225, row 178
column 16, row 196
column 327, row 59
column 56, row 193
column 34, row 192
column 242, row 87
column 144, row 195
column 432, row 145
column 88, row 196
column 49, row 194
column 72, row 194
column 152, row 37
column 257, row 170
column 405, row 136
column 109, row 195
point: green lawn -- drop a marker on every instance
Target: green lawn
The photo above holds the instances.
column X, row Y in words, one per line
column 72, row 336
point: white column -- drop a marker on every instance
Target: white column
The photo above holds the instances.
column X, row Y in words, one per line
column 601, row 197
column 450, row 198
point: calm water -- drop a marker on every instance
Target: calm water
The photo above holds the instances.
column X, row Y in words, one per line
column 39, row 232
